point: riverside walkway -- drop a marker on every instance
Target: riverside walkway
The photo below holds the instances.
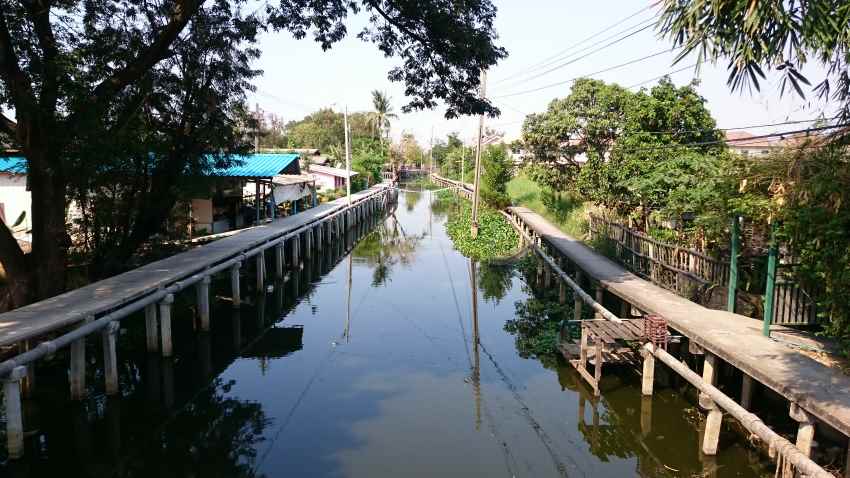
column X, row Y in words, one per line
column 813, row 389
column 67, row 320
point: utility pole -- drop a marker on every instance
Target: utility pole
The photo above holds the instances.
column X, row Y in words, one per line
column 462, row 161
column 257, row 129
column 431, row 152
column 476, row 193
column 347, row 158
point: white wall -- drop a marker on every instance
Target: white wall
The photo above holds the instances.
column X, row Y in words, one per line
column 323, row 181
column 15, row 198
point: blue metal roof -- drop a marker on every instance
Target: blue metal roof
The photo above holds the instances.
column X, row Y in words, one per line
column 258, row 165
column 13, row 164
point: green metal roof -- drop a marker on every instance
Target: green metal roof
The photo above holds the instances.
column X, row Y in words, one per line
column 258, row 165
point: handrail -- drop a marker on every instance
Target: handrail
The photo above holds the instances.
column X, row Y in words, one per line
column 749, row 420
column 122, row 311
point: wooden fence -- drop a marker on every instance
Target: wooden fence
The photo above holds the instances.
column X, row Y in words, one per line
column 675, row 268
column 686, row 271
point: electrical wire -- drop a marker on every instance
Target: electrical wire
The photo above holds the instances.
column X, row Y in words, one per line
column 551, row 59
column 561, row 83
column 662, row 76
column 582, row 57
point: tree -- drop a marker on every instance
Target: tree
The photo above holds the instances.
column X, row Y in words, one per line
column 411, row 152
column 382, row 115
column 496, row 163
column 68, row 68
column 368, row 158
column 584, row 124
column 757, row 36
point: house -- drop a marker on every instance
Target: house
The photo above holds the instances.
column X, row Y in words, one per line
column 257, row 187
column 742, row 142
column 15, row 199
column 327, row 177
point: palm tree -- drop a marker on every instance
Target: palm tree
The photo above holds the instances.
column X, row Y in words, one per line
column 382, row 114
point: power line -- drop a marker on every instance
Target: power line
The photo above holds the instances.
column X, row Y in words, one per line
column 662, row 76
column 574, row 60
column 738, row 140
column 561, row 83
column 548, row 60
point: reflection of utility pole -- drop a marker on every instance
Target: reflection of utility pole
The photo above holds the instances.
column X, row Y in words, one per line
column 478, row 159
column 348, row 307
column 347, row 158
column 476, row 367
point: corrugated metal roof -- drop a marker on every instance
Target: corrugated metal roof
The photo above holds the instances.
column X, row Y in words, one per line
column 340, row 173
column 258, row 165
column 13, row 164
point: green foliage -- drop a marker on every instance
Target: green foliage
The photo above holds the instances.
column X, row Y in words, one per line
column 367, row 158
column 494, row 281
column 566, row 210
column 496, row 165
column 757, row 36
column 496, row 236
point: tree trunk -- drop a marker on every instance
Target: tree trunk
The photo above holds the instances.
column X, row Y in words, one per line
column 50, row 240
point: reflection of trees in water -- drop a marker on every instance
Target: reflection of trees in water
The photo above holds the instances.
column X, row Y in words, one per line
column 385, row 247
column 444, row 203
column 411, row 199
column 495, row 280
column 537, row 321
column 215, row 435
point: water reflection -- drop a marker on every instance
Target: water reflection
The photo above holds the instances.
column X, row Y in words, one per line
column 385, row 353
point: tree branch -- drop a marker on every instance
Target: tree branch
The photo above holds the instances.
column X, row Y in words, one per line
column 39, row 12
column 17, row 82
column 183, row 12
column 392, row 21
column 8, row 126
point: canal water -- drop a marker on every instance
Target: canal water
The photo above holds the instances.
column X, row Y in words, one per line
column 401, row 358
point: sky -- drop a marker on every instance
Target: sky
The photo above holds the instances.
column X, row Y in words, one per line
column 300, row 78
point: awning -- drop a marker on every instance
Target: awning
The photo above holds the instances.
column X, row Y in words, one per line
column 290, row 187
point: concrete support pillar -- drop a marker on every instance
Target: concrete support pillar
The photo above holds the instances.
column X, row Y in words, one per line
column 203, row 291
column 278, row 260
column 747, row 392
column 562, row 293
column 308, row 242
column 14, row 413
column 295, row 242
column 805, row 430
column 77, row 373
column 165, row 324
column 648, row 379
column 319, row 230
column 713, row 422
column 547, row 277
column 110, row 358
column 600, row 294
column 261, row 271
column 151, row 328
column 709, row 375
column 235, row 293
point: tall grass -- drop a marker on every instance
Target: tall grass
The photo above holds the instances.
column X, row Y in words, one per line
column 566, row 211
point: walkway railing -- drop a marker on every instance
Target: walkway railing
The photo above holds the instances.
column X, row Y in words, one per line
column 156, row 297
column 662, row 263
column 791, row 459
column 462, row 189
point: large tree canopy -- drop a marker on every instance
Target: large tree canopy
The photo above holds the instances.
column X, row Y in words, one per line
column 76, row 70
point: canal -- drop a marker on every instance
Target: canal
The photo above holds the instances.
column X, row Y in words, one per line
column 368, row 364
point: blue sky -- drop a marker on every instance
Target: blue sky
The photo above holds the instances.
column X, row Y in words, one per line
column 299, row 78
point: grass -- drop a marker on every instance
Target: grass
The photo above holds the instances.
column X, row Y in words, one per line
column 567, row 212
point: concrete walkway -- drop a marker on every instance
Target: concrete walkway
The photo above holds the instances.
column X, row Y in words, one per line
column 94, row 299
column 822, row 391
